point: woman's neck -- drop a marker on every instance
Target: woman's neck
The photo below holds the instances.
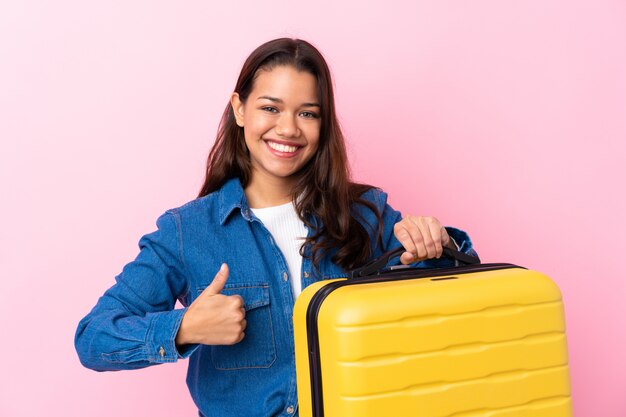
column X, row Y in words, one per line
column 269, row 192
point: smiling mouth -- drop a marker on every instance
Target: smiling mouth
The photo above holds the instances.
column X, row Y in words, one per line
column 282, row 147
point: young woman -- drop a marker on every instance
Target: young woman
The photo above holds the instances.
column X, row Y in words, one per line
column 276, row 213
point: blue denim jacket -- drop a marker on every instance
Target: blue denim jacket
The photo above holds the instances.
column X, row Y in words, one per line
column 134, row 324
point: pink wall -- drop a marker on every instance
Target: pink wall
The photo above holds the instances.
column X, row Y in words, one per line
column 505, row 118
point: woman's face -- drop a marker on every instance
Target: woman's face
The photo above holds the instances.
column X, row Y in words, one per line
column 281, row 122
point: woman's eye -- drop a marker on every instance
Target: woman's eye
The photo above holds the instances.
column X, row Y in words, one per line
column 269, row 109
column 309, row 115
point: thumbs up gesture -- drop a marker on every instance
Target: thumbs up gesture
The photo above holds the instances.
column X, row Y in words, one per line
column 214, row 318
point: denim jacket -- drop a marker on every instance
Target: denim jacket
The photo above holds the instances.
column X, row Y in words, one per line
column 134, row 324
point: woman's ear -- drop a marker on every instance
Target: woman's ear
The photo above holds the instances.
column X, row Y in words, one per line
column 237, row 106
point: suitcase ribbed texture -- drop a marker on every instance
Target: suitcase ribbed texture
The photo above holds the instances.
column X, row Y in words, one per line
column 479, row 344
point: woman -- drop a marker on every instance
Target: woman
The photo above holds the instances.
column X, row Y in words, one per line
column 276, row 213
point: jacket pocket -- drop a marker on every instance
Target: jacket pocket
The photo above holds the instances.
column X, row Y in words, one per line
column 258, row 347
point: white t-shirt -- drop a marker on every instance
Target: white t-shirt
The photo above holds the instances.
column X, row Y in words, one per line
column 289, row 233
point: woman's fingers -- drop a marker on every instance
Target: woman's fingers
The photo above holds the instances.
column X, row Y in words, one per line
column 434, row 229
column 404, row 232
column 214, row 318
column 423, row 238
column 407, row 258
column 445, row 239
column 420, row 235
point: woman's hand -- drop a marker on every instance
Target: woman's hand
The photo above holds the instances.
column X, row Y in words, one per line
column 422, row 237
column 214, row 318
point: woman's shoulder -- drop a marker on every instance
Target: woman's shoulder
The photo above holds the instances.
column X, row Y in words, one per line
column 196, row 205
column 214, row 205
column 369, row 193
column 200, row 206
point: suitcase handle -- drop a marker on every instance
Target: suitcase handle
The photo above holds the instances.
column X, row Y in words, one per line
column 374, row 266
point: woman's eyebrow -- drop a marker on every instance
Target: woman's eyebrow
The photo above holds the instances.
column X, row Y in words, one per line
column 278, row 100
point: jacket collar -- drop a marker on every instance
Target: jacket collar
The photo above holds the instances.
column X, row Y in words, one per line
column 231, row 198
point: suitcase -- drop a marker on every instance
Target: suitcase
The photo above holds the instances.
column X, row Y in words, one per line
column 474, row 340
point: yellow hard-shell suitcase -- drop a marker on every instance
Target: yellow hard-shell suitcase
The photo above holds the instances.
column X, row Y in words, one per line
column 482, row 340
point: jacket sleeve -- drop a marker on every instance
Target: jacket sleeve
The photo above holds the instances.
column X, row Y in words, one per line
column 390, row 217
column 134, row 324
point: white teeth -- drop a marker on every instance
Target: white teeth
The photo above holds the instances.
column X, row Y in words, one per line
column 282, row 148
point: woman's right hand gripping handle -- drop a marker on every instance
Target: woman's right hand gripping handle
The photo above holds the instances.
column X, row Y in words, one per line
column 214, row 318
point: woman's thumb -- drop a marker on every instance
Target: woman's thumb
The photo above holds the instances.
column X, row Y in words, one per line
column 218, row 282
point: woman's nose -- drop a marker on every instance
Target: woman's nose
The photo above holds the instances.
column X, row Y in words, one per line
column 287, row 126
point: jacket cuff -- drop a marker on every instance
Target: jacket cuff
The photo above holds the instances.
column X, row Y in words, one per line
column 161, row 337
column 461, row 239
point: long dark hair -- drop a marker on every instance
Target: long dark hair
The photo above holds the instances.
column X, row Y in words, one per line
column 323, row 189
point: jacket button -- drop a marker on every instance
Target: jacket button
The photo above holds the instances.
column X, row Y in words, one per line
column 290, row 409
column 162, row 351
column 285, row 276
column 306, row 274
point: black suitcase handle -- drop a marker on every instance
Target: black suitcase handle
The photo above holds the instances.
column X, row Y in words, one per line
column 379, row 263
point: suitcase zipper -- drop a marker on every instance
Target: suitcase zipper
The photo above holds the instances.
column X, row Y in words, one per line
column 398, row 275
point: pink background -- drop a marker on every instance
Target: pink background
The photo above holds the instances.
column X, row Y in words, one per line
column 506, row 118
